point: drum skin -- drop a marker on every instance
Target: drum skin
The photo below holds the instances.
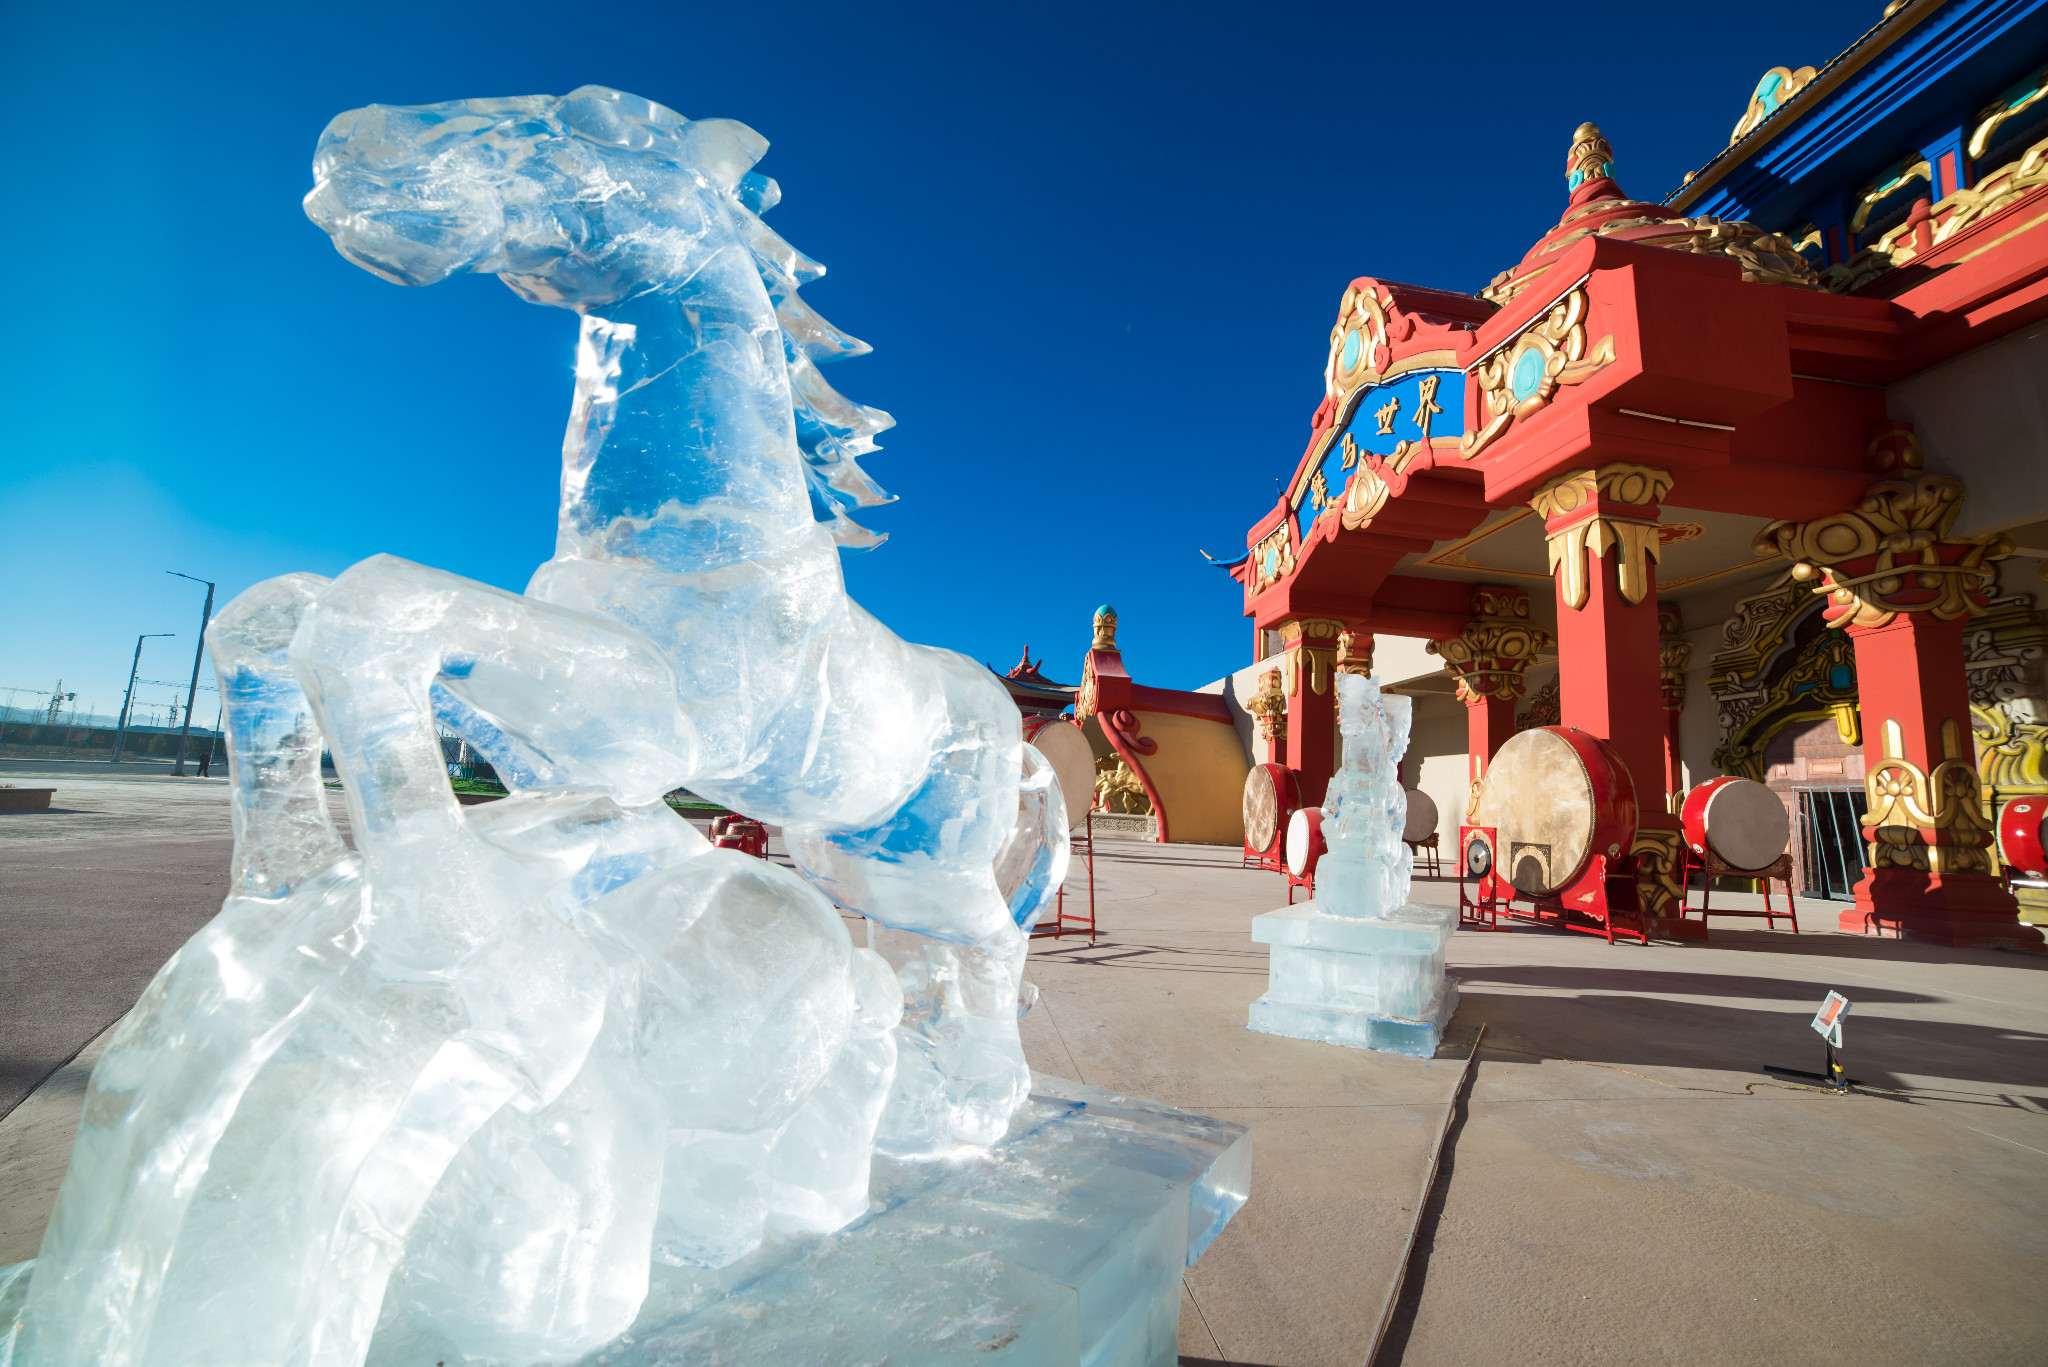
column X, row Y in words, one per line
column 1556, row 796
column 1270, row 798
column 1740, row 820
column 1065, row 747
column 2020, row 842
column 1305, row 841
column 1421, row 822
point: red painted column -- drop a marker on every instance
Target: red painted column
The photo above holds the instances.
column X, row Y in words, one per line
column 1602, row 529
column 1930, row 877
column 1610, row 681
column 1674, row 657
column 1903, row 583
column 1490, row 657
column 1310, row 645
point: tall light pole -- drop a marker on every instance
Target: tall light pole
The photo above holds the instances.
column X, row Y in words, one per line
column 121, row 731
column 192, row 692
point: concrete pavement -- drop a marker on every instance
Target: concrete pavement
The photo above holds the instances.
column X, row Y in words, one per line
column 1627, row 1184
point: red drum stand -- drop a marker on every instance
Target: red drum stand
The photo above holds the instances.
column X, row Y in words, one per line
column 1707, row 866
column 1060, row 924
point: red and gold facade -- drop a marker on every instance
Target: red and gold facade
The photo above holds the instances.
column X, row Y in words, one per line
column 1646, row 390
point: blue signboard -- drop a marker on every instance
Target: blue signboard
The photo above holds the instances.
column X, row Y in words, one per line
column 1388, row 420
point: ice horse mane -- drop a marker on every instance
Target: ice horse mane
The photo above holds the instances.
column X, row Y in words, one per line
column 571, row 200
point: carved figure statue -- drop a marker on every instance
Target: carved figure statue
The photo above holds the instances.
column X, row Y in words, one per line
column 482, row 1071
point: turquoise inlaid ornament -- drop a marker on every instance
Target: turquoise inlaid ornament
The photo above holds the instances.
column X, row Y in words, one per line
column 1350, row 353
column 1527, row 374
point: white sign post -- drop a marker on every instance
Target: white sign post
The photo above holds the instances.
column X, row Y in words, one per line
column 1827, row 1022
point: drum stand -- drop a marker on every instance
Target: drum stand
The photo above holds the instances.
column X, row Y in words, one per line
column 1708, row 866
column 1059, row 924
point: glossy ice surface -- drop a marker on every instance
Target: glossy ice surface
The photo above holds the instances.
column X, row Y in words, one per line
column 482, row 1075
column 1361, row 964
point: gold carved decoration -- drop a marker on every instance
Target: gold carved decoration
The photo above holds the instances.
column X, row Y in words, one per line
column 2030, row 91
column 1359, row 350
column 1490, row 656
column 1992, row 191
column 1364, row 497
column 1311, row 645
column 1105, row 628
column 1269, row 705
column 1674, row 657
column 1350, row 659
column 1272, row 558
column 1777, row 86
column 1119, row 790
column 1894, row 553
column 2012, row 750
column 1932, row 821
column 1520, row 376
column 1659, row 856
column 1634, row 540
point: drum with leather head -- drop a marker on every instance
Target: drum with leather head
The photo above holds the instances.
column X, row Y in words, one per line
column 1421, row 823
column 1065, row 747
column 1556, row 796
column 1739, row 822
column 1270, row 799
column 2020, row 839
column 1305, row 846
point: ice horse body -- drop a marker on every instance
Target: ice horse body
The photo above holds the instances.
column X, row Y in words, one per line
column 485, row 1068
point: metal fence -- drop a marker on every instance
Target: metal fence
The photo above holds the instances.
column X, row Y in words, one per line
column 1831, row 846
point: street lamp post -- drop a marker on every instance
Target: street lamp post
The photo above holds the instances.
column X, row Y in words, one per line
column 192, row 692
column 121, row 731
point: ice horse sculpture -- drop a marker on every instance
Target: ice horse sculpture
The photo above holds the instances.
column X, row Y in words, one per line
column 499, row 1085
column 1360, row 964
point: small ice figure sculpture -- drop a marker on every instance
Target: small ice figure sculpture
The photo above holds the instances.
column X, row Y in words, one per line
column 1360, row 964
column 486, row 1069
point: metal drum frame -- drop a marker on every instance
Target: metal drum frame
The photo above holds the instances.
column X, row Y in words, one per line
column 1061, row 924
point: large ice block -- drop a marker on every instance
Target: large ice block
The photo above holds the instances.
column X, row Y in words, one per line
column 1063, row 1244
column 1360, row 964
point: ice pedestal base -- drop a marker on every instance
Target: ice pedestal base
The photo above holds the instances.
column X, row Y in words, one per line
column 1063, row 1245
column 1367, row 984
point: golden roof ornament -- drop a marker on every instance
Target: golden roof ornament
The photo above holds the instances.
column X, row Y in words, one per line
column 1590, row 158
column 1105, row 628
column 1599, row 208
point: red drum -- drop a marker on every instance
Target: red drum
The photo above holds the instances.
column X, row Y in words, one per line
column 1739, row 820
column 1065, row 747
column 1556, row 796
column 1270, row 799
column 1305, row 844
column 2020, row 840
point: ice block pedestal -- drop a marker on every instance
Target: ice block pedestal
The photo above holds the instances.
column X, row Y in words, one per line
column 1366, row 984
column 1063, row 1244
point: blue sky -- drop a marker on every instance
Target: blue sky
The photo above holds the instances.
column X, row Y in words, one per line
column 1097, row 249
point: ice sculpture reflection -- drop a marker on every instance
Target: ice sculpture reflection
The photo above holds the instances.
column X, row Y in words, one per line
column 489, row 1065
column 1361, row 964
